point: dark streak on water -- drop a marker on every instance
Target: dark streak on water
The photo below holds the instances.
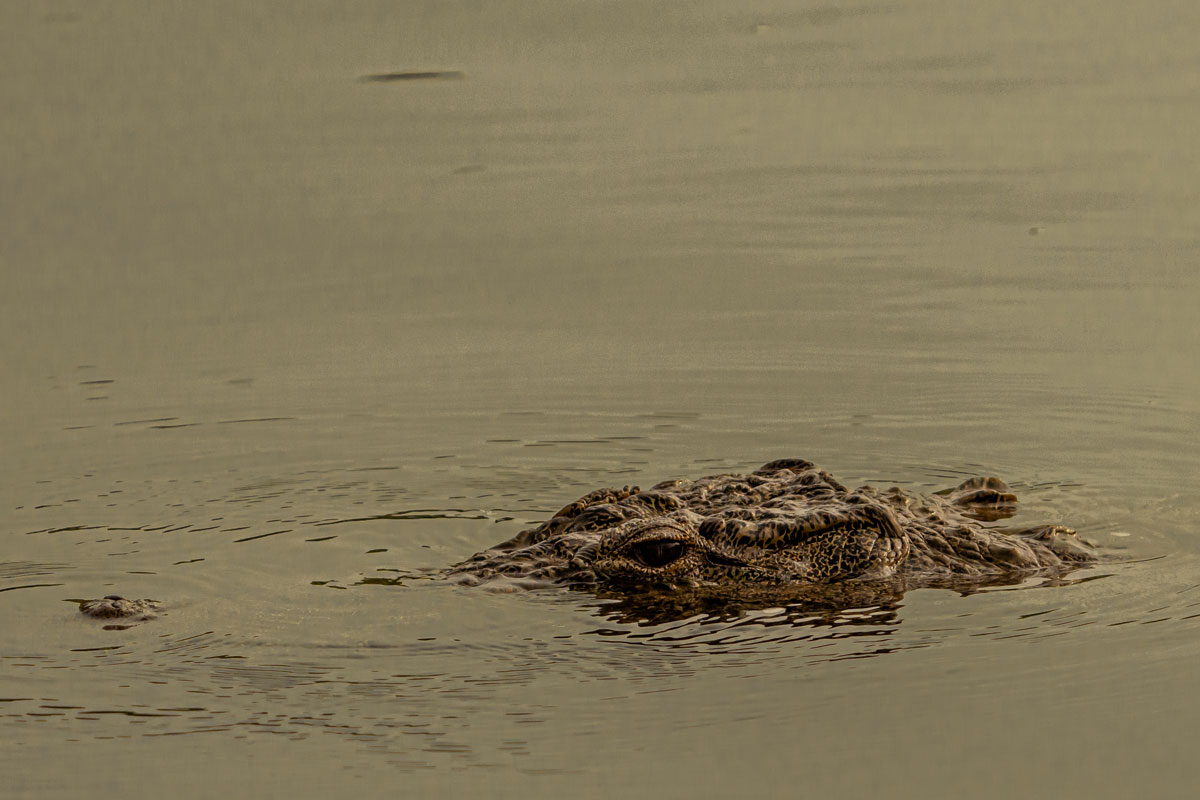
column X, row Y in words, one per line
column 386, row 77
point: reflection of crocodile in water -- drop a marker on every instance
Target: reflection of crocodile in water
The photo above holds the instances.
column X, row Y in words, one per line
column 788, row 528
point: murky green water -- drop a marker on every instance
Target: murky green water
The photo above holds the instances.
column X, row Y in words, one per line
column 277, row 338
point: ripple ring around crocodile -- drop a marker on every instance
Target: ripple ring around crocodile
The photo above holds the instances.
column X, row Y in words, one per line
column 787, row 529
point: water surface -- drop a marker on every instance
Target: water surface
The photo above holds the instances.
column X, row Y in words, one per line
column 278, row 340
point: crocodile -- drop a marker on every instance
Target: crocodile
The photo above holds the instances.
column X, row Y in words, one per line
column 788, row 532
column 788, row 525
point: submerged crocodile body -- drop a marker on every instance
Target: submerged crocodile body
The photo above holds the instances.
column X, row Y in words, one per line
column 787, row 526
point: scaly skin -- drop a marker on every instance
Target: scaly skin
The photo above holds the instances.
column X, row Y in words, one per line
column 786, row 524
column 116, row 607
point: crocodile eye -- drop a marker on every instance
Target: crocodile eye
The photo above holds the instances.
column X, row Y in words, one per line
column 658, row 552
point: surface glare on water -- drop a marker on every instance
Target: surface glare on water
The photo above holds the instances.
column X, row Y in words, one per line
column 280, row 342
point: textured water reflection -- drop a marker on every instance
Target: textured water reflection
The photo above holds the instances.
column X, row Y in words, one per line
column 418, row 702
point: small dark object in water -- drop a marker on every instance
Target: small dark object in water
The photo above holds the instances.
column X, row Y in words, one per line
column 415, row 76
column 115, row 607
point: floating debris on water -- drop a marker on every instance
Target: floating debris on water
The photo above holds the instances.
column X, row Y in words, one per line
column 415, row 76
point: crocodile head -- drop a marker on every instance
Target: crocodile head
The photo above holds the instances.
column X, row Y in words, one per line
column 683, row 549
column 788, row 524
